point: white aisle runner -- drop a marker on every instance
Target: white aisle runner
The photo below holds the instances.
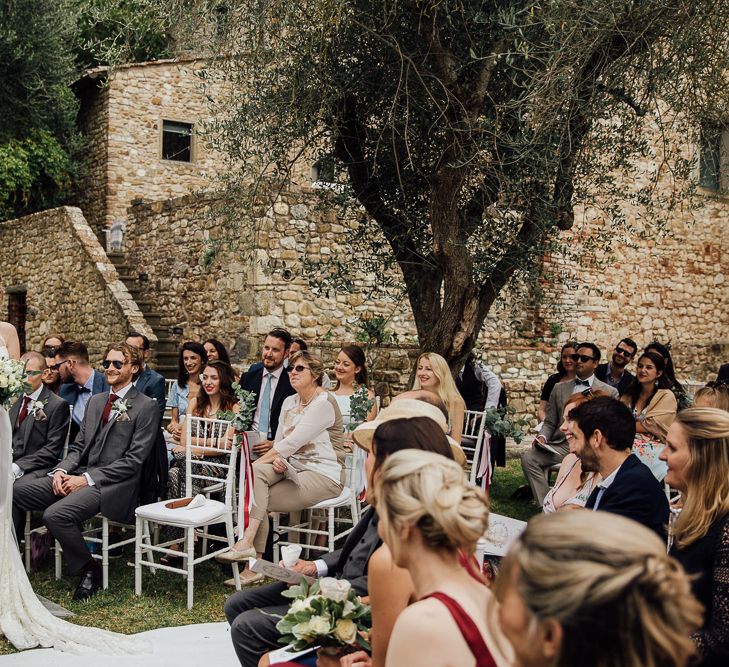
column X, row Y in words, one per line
column 183, row 646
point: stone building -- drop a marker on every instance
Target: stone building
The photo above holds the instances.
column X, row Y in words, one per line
column 148, row 166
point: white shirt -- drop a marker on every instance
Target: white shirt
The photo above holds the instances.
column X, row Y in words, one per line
column 604, row 485
column 33, row 397
column 275, row 376
column 492, row 382
column 581, row 387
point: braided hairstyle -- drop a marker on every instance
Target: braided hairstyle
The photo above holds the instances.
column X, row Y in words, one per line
column 429, row 492
column 619, row 598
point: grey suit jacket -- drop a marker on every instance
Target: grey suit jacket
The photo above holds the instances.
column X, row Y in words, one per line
column 561, row 392
column 113, row 455
column 37, row 445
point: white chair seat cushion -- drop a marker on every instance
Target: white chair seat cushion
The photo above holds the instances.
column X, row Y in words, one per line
column 342, row 499
column 211, row 510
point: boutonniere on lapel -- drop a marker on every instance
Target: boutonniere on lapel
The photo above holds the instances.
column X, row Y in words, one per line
column 36, row 409
column 119, row 410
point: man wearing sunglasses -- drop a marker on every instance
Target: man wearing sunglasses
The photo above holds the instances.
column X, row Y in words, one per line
column 550, row 446
column 79, row 380
column 102, row 470
column 614, row 372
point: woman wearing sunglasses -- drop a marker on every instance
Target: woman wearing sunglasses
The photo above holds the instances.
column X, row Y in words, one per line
column 302, row 449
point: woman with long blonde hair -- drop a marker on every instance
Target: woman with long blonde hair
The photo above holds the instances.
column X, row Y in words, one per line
column 597, row 589
column 434, row 375
column 697, row 455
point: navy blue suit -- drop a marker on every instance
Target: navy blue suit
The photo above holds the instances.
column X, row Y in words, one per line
column 251, row 381
column 636, row 494
column 71, row 391
column 152, row 384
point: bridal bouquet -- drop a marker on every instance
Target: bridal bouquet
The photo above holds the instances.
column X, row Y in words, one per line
column 327, row 614
column 12, row 380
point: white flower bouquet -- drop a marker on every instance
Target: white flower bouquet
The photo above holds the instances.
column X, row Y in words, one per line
column 13, row 380
column 327, row 614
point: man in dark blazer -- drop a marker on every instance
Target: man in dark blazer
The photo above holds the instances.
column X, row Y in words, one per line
column 79, row 380
column 550, row 445
column 149, row 381
column 615, row 372
column 269, row 381
column 722, row 377
column 252, row 613
column 40, row 424
column 603, row 430
column 102, row 470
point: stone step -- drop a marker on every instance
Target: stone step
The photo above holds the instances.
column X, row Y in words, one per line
column 166, row 346
column 153, row 319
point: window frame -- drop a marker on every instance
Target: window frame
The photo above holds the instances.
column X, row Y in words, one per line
column 193, row 140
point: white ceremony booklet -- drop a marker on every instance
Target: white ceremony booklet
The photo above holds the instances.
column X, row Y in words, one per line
column 273, row 571
column 502, row 531
column 284, row 655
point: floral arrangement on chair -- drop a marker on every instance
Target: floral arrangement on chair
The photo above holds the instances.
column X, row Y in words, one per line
column 500, row 421
column 360, row 405
column 12, row 381
column 240, row 421
column 328, row 614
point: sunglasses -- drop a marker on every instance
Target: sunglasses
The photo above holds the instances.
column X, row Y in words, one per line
column 55, row 367
column 298, row 368
column 115, row 363
column 581, row 357
column 624, row 352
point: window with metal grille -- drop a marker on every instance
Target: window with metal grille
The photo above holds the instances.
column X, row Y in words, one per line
column 176, row 141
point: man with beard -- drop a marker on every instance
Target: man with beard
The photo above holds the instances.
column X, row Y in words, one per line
column 614, row 372
column 602, row 437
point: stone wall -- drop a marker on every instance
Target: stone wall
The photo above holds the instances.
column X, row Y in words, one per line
column 71, row 286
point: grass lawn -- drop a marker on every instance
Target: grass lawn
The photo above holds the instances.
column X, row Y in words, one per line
column 163, row 603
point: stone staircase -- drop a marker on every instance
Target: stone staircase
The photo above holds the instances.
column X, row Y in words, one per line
column 165, row 351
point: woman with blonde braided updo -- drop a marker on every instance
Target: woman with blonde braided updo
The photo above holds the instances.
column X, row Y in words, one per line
column 427, row 514
column 581, row 589
column 697, row 455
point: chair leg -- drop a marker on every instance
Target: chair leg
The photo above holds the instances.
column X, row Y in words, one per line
column 147, row 540
column 104, row 553
column 276, row 547
column 58, row 560
column 139, row 528
column 26, row 546
column 330, row 523
column 231, row 541
column 190, row 544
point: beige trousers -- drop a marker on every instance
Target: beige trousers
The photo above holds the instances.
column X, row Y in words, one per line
column 274, row 493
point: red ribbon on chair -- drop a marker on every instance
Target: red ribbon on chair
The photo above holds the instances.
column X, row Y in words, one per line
column 485, row 470
column 245, row 483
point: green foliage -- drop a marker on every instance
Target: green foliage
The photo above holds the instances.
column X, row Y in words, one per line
column 121, row 31
column 501, row 421
column 373, row 331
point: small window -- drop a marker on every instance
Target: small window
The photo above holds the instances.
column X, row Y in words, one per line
column 324, row 170
column 714, row 157
column 176, row 141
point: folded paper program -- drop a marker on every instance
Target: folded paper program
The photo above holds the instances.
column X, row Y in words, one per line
column 187, row 503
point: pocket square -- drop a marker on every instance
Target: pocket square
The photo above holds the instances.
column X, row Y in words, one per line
column 41, row 416
column 123, row 417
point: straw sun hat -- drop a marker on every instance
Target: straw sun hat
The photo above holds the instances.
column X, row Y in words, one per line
column 405, row 408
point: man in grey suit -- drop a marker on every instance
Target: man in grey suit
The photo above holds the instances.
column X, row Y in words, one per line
column 550, row 446
column 252, row 613
column 40, row 424
column 102, row 470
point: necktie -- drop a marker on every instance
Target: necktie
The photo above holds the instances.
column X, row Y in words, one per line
column 583, row 383
column 107, row 409
column 265, row 414
column 23, row 410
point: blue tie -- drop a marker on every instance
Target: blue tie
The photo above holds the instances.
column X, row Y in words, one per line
column 264, row 417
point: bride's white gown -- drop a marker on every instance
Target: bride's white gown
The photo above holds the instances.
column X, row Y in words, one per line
column 24, row 621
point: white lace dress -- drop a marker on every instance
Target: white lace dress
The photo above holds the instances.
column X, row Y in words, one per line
column 24, row 621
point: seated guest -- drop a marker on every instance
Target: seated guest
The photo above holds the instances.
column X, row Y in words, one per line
column 269, row 381
column 565, row 373
column 478, row 385
column 216, row 350
column 654, row 408
column 578, row 590
column 602, row 437
column 712, row 396
column 434, row 376
column 80, row 380
column 149, row 381
column 697, row 455
column 677, row 388
column 550, row 445
column 351, row 373
column 298, row 344
column 722, row 376
column 40, row 424
column 614, row 372
column 51, row 375
column 217, row 395
column 303, row 442
column 191, row 361
column 573, row 486
column 102, row 470
column 429, row 513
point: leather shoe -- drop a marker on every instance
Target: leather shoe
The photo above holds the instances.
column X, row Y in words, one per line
column 91, row 581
